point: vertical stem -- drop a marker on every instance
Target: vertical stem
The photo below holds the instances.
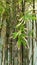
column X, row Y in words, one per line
column 33, row 33
column 23, row 10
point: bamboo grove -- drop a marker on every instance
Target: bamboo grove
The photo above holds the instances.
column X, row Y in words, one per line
column 18, row 32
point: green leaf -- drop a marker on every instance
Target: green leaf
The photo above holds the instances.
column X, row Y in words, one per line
column 28, row 16
column 24, row 41
column 19, row 42
column 18, row 24
column 1, row 10
column 15, row 35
